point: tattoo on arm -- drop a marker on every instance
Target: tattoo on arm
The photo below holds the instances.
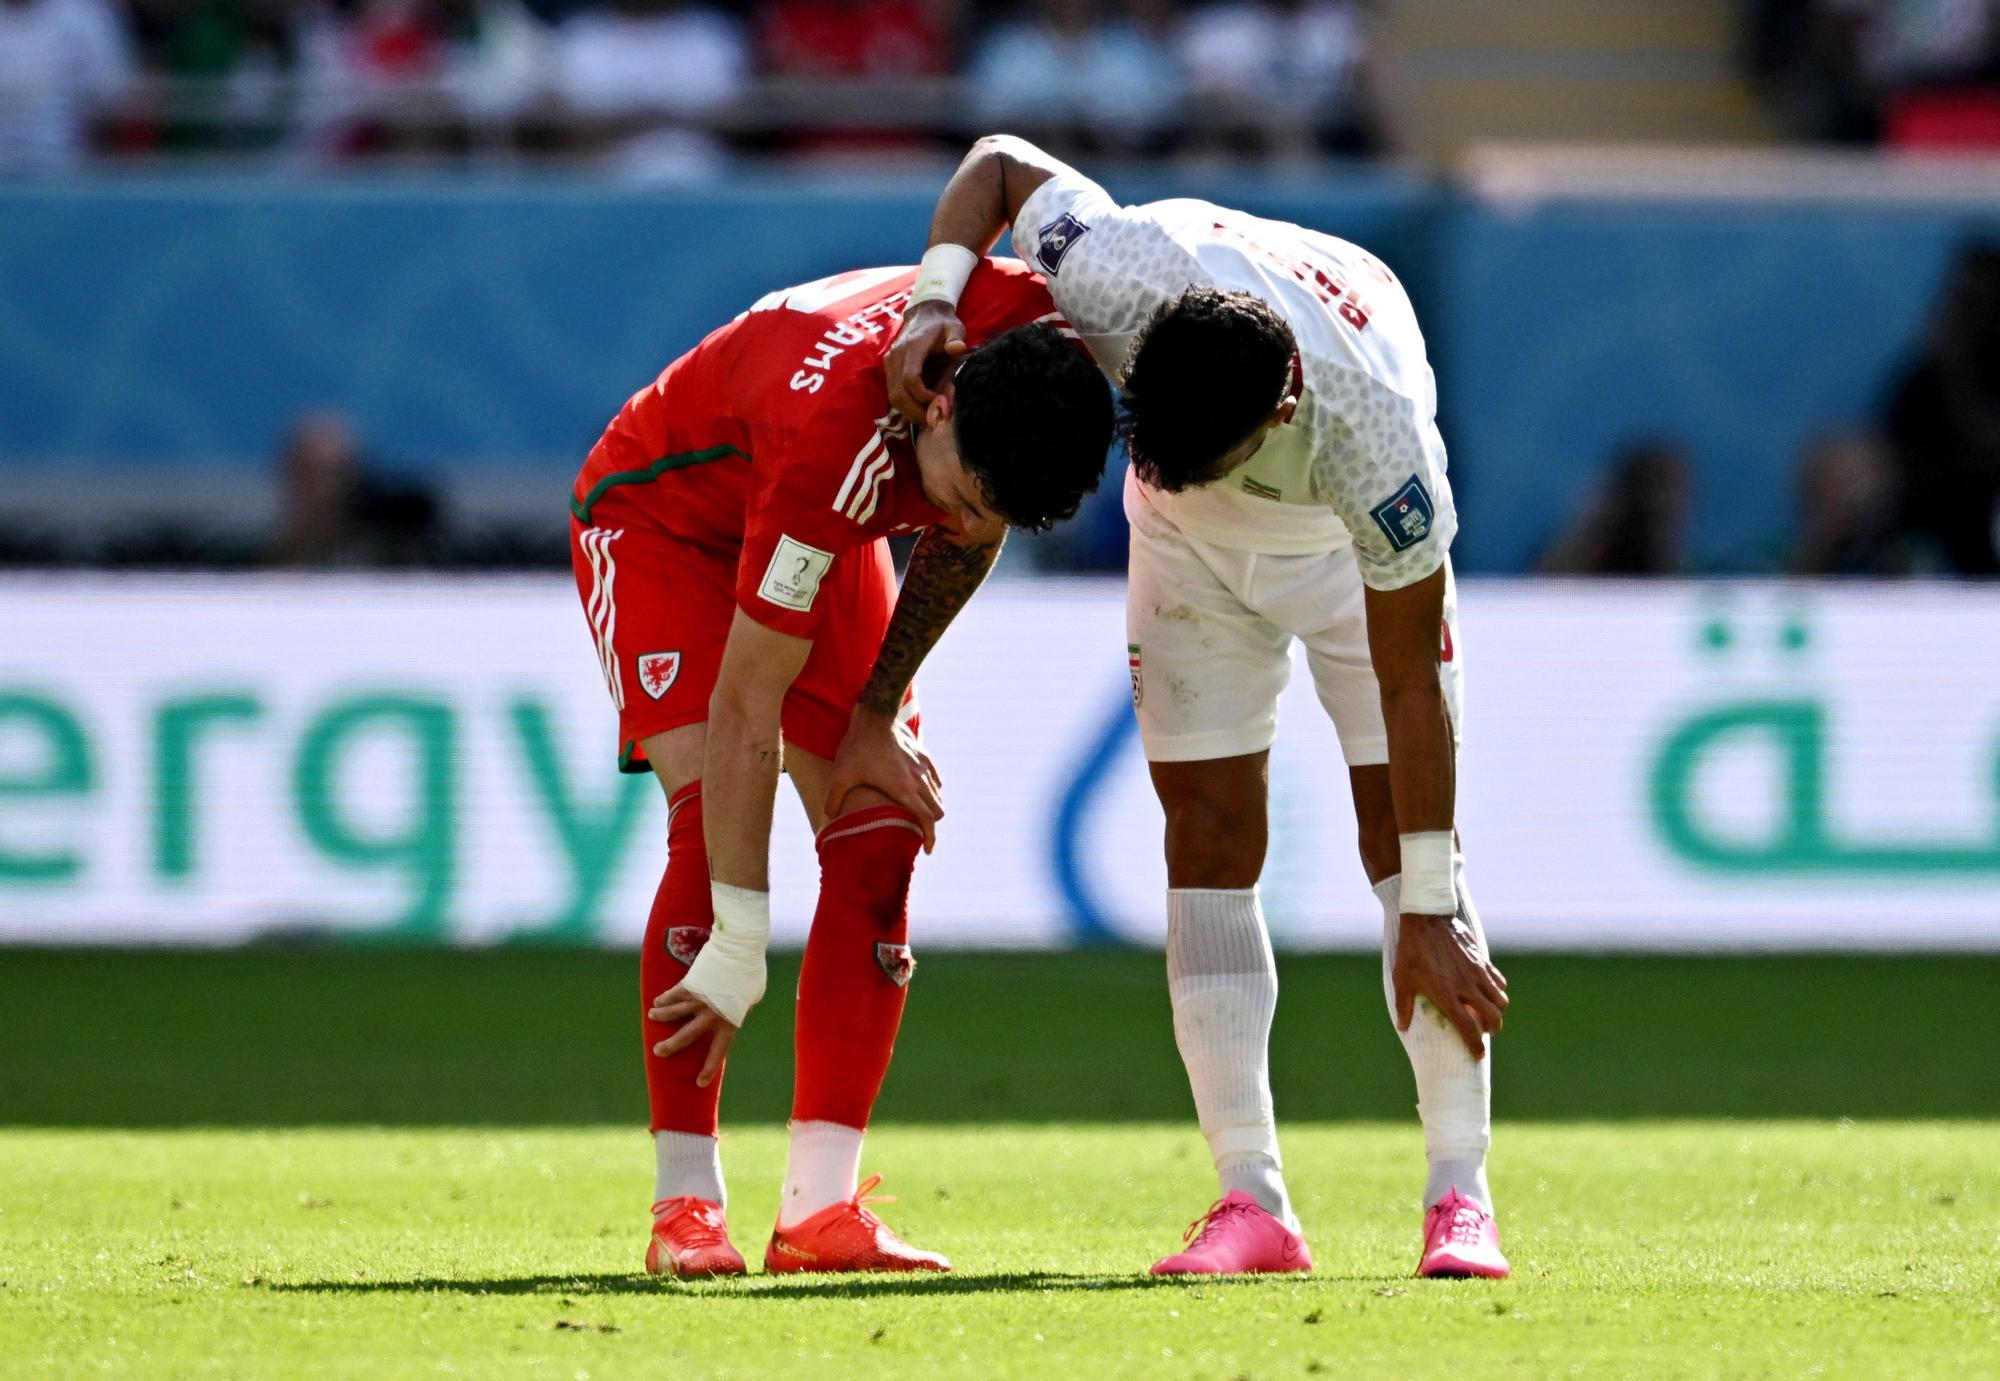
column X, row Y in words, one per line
column 941, row 577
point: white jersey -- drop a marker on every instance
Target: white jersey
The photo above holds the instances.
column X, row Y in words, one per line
column 1361, row 460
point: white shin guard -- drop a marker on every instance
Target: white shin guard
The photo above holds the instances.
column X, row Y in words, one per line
column 1454, row 1091
column 1224, row 985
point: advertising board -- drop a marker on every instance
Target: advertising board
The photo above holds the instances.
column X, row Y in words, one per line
column 1645, row 767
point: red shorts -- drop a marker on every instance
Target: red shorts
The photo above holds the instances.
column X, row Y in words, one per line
column 659, row 608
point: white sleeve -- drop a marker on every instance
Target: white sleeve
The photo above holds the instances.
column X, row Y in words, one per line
column 1055, row 218
column 1382, row 470
column 1108, row 265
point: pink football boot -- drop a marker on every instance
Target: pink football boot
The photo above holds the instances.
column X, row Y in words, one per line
column 1461, row 1240
column 1236, row 1237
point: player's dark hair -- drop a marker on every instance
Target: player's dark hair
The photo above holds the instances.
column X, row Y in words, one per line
column 1033, row 418
column 1204, row 372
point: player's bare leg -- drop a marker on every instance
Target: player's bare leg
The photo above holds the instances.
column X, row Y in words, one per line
column 1224, row 986
column 690, row 1234
column 851, row 992
column 1454, row 1090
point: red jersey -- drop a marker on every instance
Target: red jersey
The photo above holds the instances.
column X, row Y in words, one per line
column 774, row 437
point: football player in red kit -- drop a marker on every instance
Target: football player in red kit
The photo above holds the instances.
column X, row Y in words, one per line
column 728, row 538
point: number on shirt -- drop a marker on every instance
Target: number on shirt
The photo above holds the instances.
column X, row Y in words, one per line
column 1324, row 281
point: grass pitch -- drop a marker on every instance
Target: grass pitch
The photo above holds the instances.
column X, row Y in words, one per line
column 393, row 1164
column 1695, row 1249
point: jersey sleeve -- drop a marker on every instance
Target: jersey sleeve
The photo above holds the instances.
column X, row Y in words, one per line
column 1382, row 469
column 1002, row 294
column 1107, row 265
column 817, row 493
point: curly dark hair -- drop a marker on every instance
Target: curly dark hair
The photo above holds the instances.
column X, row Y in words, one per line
column 1034, row 418
column 1205, row 370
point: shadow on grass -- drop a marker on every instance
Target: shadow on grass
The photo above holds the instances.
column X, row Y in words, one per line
column 786, row 1287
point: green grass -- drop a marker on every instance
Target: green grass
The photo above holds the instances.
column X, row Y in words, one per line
column 1726, row 1249
column 549, row 1037
column 387, row 1163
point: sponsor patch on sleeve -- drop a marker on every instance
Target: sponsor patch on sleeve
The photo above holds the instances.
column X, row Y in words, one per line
column 1055, row 239
column 793, row 577
column 1406, row 518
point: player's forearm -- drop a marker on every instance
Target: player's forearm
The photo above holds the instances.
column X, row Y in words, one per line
column 941, row 579
column 984, row 194
column 1423, row 774
column 740, row 770
column 1405, row 645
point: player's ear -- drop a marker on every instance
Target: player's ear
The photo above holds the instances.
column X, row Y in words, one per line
column 939, row 411
column 1286, row 409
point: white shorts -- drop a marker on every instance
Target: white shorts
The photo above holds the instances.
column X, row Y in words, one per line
column 1211, row 629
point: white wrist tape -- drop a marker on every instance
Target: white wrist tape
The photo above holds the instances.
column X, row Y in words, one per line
column 1427, row 884
column 728, row 974
column 943, row 274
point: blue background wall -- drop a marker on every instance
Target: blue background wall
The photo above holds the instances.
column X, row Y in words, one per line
column 162, row 322
column 1740, row 328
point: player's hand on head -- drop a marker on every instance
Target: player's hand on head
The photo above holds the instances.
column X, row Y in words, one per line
column 885, row 755
column 697, row 1019
column 1438, row 958
column 929, row 328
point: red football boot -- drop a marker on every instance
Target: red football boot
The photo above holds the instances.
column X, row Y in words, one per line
column 691, row 1240
column 846, row 1237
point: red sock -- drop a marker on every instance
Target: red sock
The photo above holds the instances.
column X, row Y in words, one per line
column 676, row 930
column 857, row 964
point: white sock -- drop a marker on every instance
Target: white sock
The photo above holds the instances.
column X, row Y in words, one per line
column 1224, row 986
column 687, row 1164
column 1454, row 1091
column 822, row 1168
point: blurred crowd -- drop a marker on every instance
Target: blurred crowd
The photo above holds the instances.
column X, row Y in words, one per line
column 1913, row 491
column 673, row 84
column 1922, row 74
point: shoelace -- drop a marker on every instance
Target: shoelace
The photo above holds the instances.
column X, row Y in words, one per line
column 703, row 1224
column 864, row 1197
column 1217, row 1211
column 1463, row 1228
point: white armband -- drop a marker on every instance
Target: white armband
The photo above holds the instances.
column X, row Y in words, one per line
column 943, row 274
column 1427, row 881
column 728, row 974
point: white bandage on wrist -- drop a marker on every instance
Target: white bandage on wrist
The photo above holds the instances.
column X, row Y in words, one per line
column 1427, row 886
column 728, row 974
column 943, row 274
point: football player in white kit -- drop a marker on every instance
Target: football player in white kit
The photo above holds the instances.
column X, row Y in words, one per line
column 1287, row 484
